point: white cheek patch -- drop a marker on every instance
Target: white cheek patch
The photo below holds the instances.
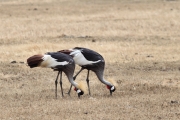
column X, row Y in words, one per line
column 112, row 88
column 51, row 62
column 78, row 91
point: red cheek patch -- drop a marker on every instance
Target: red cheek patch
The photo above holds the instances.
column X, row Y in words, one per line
column 108, row 87
column 75, row 89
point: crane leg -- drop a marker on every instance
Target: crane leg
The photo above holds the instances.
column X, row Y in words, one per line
column 110, row 92
column 78, row 73
column 78, row 96
column 56, row 82
column 74, row 80
column 61, row 84
column 87, row 80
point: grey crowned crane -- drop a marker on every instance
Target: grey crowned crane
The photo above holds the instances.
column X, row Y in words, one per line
column 90, row 60
column 58, row 62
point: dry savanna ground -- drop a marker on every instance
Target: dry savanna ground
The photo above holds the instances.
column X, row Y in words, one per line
column 139, row 39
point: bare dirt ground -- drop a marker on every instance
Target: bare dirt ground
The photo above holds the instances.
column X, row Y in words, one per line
column 139, row 40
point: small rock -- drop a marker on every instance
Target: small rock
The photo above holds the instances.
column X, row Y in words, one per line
column 159, row 117
column 149, row 56
column 13, row 61
column 174, row 101
column 155, row 63
column 85, row 112
column 93, row 40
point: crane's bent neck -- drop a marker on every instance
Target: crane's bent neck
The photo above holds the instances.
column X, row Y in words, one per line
column 101, row 78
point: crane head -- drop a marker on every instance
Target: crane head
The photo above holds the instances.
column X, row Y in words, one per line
column 79, row 92
column 111, row 88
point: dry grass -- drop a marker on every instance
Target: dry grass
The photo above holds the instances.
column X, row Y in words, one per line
column 138, row 39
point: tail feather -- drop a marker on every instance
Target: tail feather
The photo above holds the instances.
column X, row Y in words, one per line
column 34, row 60
column 65, row 51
